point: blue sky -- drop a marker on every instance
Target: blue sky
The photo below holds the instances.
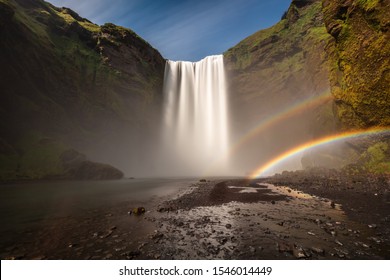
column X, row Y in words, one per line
column 186, row 29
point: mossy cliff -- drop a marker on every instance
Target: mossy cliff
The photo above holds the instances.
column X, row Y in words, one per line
column 341, row 46
column 66, row 79
column 275, row 71
column 360, row 60
column 359, row 56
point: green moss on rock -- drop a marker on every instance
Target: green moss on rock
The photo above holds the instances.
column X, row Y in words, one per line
column 360, row 50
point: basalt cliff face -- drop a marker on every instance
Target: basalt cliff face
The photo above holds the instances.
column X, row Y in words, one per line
column 360, row 60
column 68, row 83
column 334, row 51
column 359, row 56
column 281, row 74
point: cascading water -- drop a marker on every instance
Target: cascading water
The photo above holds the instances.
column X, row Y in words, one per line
column 195, row 116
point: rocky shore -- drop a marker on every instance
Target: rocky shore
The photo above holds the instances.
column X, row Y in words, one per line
column 321, row 214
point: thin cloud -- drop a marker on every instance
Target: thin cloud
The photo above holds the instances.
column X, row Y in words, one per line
column 186, row 29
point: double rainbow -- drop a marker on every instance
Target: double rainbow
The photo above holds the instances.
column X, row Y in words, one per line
column 312, row 144
column 280, row 116
column 272, row 120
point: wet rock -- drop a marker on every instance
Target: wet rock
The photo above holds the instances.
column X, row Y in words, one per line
column 285, row 247
column 132, row 254
column 340, row 255
column 156, row 235
column 318, row 251
column 222, row 240
column 375, row 239
column 137, row 211
column 299, row 253
column 107, row 234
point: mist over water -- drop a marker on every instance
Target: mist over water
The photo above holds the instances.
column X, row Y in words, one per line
column 195, row 127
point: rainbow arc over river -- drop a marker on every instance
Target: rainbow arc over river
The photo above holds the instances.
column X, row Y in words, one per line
column 313, row 144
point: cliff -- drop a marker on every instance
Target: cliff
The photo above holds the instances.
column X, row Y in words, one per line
column 360, row 60
column 281, row 74
column 66, row 79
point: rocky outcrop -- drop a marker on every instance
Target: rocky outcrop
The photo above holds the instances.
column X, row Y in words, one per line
column 76, row 166
column 360, row 53
column 274, row 72
column 63, row 77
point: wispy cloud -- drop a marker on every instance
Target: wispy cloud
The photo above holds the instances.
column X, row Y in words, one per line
column 186, row 29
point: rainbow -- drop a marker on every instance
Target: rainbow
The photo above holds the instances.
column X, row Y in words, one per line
column 272, row 120
column 279, row 117
column 312, row 144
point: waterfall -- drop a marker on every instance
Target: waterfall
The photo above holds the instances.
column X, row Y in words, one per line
column 195, row 116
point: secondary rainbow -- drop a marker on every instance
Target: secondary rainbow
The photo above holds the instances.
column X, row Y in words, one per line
column 273, row 120
column 281, row 116
column 315, row 143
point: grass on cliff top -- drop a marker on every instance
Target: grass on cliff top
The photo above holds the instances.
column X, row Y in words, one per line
column 302, row 33
column 69, row 19
column 368, row 5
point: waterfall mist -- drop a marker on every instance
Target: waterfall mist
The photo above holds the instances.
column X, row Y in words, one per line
column 195, row 119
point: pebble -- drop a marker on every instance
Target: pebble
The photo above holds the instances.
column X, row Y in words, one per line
column 318, row 250
column 299, row 253
column 228, row 226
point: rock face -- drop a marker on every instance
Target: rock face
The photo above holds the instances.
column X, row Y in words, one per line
column 360, row 51
column 274, row 72
column 64, row 78
column 337, row 46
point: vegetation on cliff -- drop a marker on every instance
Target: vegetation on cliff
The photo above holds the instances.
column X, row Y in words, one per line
column 360, row 54
column 278, row 70
column 67, row 79
column 341, row 46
